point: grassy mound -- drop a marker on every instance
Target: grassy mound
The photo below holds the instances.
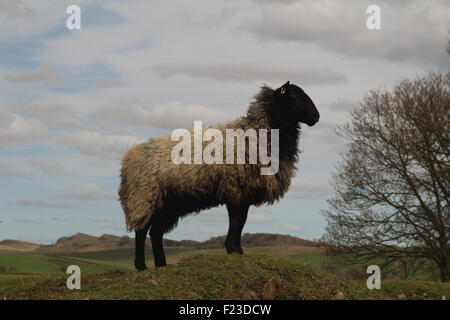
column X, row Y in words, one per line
column 225, row 277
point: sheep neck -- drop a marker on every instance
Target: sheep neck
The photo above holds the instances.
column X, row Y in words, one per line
column 263, row 114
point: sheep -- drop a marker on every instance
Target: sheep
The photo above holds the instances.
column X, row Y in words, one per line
column 155, row 192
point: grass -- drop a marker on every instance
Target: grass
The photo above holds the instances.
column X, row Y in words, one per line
column 22, row 280
column 18, row 265
column 13, row 263
column 194, row 274
column 210, row 276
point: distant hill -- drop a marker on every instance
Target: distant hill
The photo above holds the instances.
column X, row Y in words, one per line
column 77, row 239
column 247, row 240
column 84, row 242
column 261, row 240
column 18, row 245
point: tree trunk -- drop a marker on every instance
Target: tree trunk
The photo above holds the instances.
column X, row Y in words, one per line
column 444, row 268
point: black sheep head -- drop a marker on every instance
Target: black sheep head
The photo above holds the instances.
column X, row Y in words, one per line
column 293, row 103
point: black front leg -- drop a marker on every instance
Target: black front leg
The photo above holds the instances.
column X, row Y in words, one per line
column 156, row 235
column 237, row 217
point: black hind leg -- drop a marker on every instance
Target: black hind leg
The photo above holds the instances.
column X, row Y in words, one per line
column 156, row 235
column 139, row 255
column 237, row 217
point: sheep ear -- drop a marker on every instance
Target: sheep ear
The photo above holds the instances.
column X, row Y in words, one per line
column 281, row 98
column 284, row 88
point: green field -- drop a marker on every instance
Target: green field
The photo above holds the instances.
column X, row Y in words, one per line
column 18, row 267
column 194, row 274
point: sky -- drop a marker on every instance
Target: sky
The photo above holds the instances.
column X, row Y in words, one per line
column 72, row 102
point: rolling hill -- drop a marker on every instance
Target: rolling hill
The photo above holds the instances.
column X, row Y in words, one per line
column 81, row 242
column 226, row 277
column 18, row 245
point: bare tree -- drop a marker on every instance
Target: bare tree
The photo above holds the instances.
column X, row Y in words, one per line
column 448, row 47
column 392, row 186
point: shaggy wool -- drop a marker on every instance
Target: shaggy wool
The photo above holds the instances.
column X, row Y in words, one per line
column 152, row 185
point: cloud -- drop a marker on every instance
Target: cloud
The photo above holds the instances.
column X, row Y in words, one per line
column 22, row 19
column 201, row 232
column 84, row 48
column 36, row 238
column 56, row 114
column 220, row 216
column 213, row 20
column 40, row 203
column 130, row 78
column 16, row 128
column 110, row 224
column 214, row 216
column 341, row 105
column 27, row 221
column 259, row 217
column 48, row 167
column 12, row 9
column 13, row 171
column 171, row 115
column 249, row 71
column 106, row 83
column 90, row 192
column 415, row 30
column 324, row 135
column 98, row 144
column 292, row 228
column 54, row 195
column 41, row 74
column 303, row 189
column 60, row 219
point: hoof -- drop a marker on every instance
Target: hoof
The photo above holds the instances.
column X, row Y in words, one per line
column 235, row 252
column 160, row 265
column 140, row 267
